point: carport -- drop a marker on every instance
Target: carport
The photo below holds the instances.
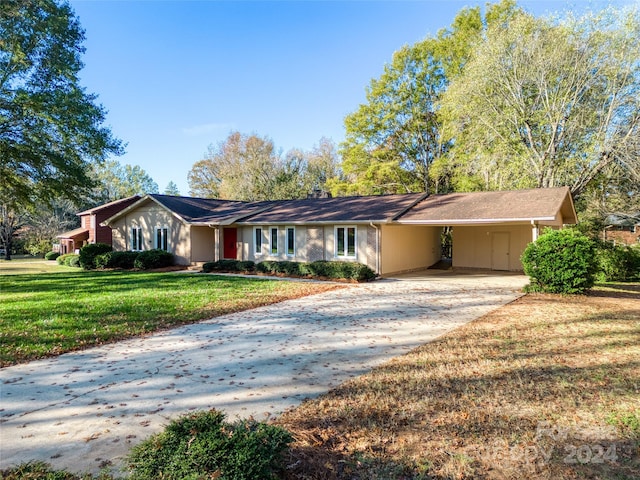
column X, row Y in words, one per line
column 490, row 230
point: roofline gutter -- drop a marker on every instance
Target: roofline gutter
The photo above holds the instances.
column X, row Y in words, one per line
column 481, row 221
column 328, row 222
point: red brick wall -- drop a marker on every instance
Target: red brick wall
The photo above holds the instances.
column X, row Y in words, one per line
column 101, row 234
column 623, row 236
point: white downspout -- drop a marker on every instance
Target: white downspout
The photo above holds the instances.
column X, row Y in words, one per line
column 377, row 247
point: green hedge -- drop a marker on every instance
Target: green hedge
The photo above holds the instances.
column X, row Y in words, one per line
column 229, row 266
column 618, row 263
column 89, row 252
column 560, row 261
column 322, row 268
column 203, row 445
column 155, row 258
column 51, row 255
column 125, row 260
column 69, row 259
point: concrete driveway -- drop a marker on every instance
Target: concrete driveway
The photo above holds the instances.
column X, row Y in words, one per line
column 83, row 411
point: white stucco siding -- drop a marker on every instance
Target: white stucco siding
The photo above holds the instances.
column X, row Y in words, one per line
column 313, row 242
column 149, row 217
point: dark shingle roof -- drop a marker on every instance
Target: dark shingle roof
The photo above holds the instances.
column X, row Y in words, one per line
column 379, row 208
column 623, row 220
column 207, row 210
column 516, row 205
column 416, row 208
column 104, row 206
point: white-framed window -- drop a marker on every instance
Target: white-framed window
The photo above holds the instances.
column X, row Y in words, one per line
column 291, row 241
column 274, row 241
column 162, row 238
column 346, row 242
column 136, row 239
column 257, row 240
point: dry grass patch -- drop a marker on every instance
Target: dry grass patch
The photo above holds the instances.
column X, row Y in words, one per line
column 546, row 387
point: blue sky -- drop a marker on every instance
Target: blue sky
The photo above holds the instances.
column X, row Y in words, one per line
column 178, row 76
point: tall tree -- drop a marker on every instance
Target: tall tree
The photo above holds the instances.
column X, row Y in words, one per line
column 322, row 167
column 544, row 103
column 393, row 140
column 47, row 220
column 172, row 189
column 50, row 128
column 248, row 167
column 11, row 220
column 203, row 178
column 117, row 181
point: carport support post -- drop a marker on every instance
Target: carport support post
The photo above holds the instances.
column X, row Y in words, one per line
column 535, row 231
column 216, row 242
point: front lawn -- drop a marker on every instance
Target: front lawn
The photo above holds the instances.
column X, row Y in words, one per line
column 49, row 314
column 20, row 265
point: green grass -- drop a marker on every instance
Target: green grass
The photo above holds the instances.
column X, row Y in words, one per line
column 48, row 314
column 20, row 265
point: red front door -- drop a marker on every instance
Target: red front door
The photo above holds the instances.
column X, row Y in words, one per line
column 230, row 239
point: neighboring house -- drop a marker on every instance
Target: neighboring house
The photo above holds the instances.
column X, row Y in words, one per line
column 622, row 229
column 389, row 233
column 91, row 230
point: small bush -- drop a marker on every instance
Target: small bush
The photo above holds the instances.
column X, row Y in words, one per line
column 62, row 258
column 155, row 258
column 618, row 263
column 342, row 270
column 229, row 266
column 246, row 266
column 89, row 252
column 321, row 268
column 72, row 260
column 560, row 261
column 202, row 445
column 124, row 260
column 51, row 255
column 69, row 260
column 267, row 266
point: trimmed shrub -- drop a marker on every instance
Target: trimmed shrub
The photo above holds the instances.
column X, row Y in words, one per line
column 267, row 266
column 124, row 260
column 51, row 255
column 342, row 270
column 229, row 266
column 72, row 260
column 618, row 263
column 155, row 258
column 560, row 261
column 246, row 266
column 202, row 445
column 321, row 268
column 89, row 252
column 62, row 258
